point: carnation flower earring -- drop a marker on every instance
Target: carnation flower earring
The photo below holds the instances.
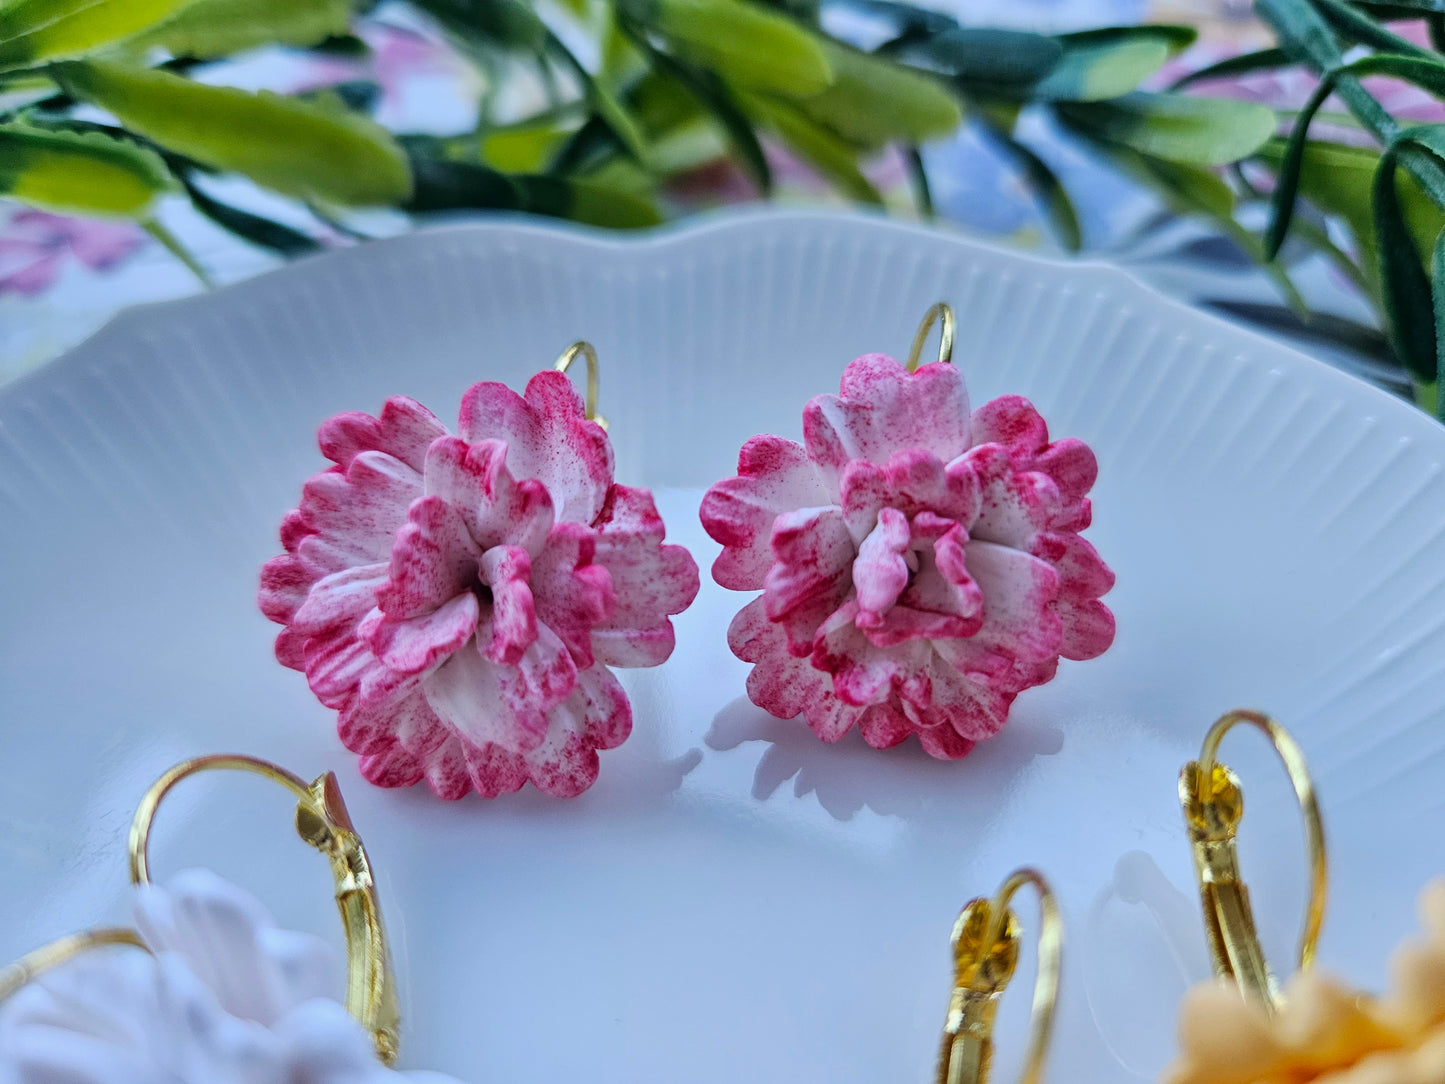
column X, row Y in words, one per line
column 217, row 991
column 985, row 953
column 920, row 565
column 459, row 598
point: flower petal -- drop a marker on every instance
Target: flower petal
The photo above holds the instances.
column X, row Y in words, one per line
column 433, row 559
column 342, row 598
column 354, row 514
column 412, row 645
column 404, row 431
column 882, row 409
column 774, row 476
column 811, row 575
column 1018, row 591
column 573, row 593
column 496, row 508
column 880, row 572
column 510, row 625
column 649, row 581
column 547, row 437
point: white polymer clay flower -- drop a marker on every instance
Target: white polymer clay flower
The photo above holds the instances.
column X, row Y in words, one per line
column 224, row 998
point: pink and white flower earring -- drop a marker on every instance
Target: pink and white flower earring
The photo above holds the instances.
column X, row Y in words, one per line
column 458, row 598
column 919, row 565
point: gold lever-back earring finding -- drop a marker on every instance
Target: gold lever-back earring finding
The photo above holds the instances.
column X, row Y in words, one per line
column 322, row 821
column 1213, row 806
column 31, row 965
column 565, row 362
column 985, row 953
column 944, row 311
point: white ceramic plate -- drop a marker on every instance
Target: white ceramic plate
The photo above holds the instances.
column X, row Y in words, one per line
column 733, row 901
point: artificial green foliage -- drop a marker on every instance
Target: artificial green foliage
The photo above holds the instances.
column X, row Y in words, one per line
column 313, row 150
column 668, row 87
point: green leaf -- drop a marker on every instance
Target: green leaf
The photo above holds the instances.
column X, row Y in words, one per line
column 511, row 24
column 1437, row 277
column 1359, row 27
column 75, row 173
column 1045, row 184
column 713, row 95
column 1109, row 62
column 1400, row 9
column 216, row 28
column 873, row 101
column 1338, row 179
column 831, row 156
column 85, row 30
column 582, row 201
column 611, row 112
column 1404, row 288
column 745, row 43
column 1177, row 127
column 1302, row 32
column 1264, row 60
column 442, row 186
column 310, row 150
column 1427, row 74
column 918, row 179
column 20, row 17
column 985, row 55
column 259, row 231
column 522, row 148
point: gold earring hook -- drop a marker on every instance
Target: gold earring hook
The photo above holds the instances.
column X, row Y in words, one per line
column 321, row 821
column 33, row 964
column 583, row 347
column 985, row 953
column 1213, row 805
column 944, row 311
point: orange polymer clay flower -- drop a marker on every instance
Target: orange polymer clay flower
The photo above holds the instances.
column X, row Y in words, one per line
column 1325, row 1032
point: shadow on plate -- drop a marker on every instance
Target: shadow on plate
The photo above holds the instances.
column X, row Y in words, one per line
column 901, row 782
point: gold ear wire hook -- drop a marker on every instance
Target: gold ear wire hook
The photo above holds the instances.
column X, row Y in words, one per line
column 33, row 964
column 322, row 821
column 583, row 347
column 1213, row 805
column 985, row 953
column 942, row 310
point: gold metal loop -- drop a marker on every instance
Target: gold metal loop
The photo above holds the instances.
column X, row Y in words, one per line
column 33, row 964
column 321, row 821
column 583, row 347
column 1213, row 805
column 944, row 311
column 985, row 953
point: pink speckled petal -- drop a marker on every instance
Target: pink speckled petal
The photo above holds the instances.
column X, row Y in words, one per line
column 883, row 726
column 574, row 594
column 1082, row 572
column 496, row 508
column 810, row 575
column 1018, row 591
column 651, row 581
column 1015, row 506
column 882, row 409
column 394, row 767
column 1088, row 629
column 944, row 743
column 342, row 598
column 354, row 514
column 467, row 694
column 510, row 625
column 880, row 573
column 404, row 431
column 1012, row 421
column 548, row 439
column 412, row 645
column 433, row 558
column 284, row 583
column 774, row 476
